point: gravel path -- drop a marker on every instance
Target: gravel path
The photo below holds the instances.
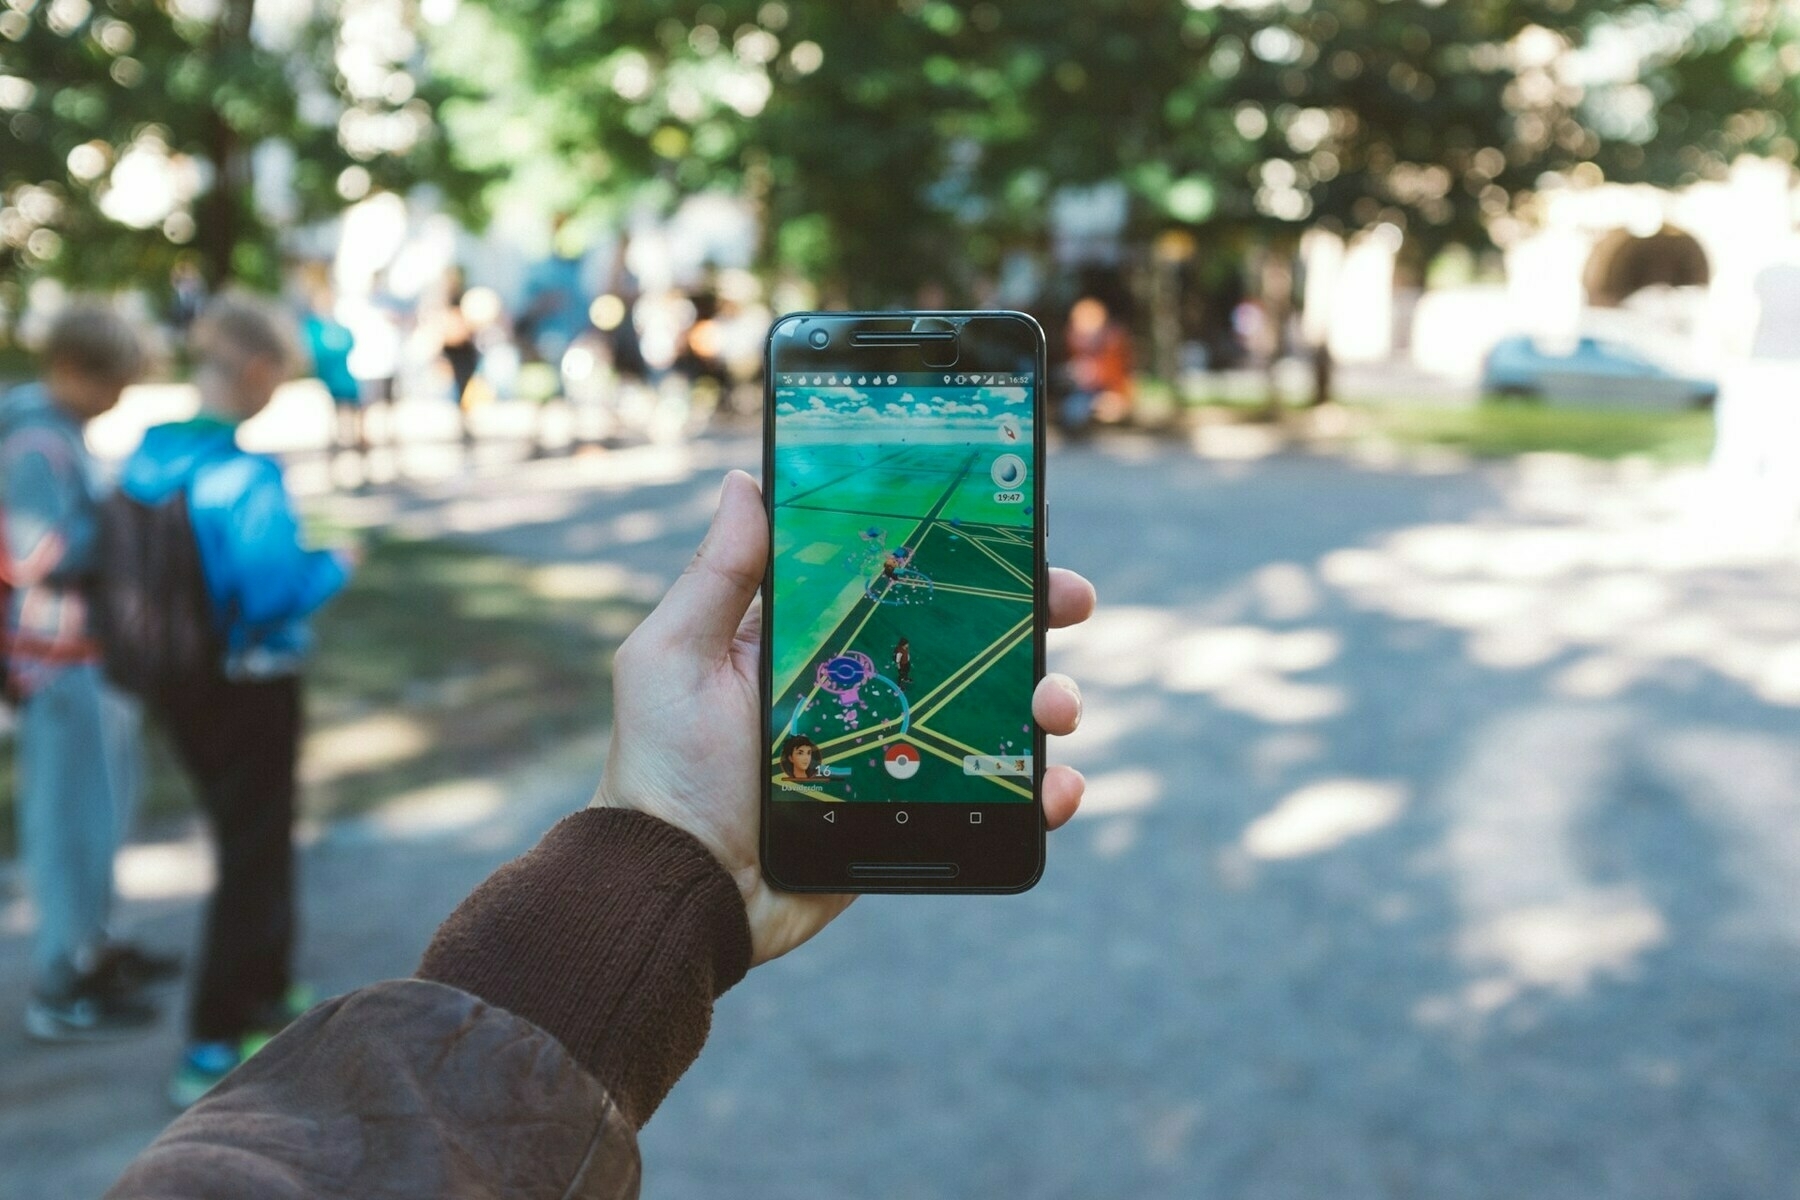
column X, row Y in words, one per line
column 1444, row 841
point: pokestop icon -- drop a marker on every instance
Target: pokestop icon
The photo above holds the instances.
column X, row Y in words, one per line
column 902, row 760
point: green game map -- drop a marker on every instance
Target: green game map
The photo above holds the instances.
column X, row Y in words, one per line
column 902, row 626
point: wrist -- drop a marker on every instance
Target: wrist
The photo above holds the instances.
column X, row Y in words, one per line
column 614, row 935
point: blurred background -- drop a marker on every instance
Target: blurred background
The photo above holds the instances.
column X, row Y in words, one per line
column 1428, row 404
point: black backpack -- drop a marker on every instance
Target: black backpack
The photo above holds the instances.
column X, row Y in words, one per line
column 151, row 610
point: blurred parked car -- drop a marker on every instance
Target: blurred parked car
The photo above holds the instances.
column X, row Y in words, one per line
column 1591, row 371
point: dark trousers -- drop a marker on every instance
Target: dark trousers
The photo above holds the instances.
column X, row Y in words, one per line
column 240, row 743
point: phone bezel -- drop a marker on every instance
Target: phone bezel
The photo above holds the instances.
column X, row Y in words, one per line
column 801, row 852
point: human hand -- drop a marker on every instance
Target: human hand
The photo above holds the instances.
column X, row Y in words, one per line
column 688, row 720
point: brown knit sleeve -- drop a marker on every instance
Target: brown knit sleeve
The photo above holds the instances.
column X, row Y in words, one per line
column 614, row 934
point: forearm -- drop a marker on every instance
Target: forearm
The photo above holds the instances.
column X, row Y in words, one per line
column 615, row 934
column 582, row 976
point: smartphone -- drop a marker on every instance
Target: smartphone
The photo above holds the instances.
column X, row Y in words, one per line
column 904, row 605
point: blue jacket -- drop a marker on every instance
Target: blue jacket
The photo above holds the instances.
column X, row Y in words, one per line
column 48, row 492
column 330, row 344
column 263, row 583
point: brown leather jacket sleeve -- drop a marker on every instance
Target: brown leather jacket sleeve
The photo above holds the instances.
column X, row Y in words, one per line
column 558, row 1005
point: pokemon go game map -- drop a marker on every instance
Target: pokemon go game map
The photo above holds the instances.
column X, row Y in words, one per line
column 902, row 615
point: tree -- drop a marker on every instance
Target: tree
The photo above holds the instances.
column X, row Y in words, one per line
column 894, row 143
column 128, row 132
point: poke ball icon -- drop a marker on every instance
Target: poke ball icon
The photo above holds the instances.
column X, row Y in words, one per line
column 902, row 760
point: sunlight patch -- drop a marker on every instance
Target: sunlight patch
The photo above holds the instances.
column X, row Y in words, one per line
column 1322, row 816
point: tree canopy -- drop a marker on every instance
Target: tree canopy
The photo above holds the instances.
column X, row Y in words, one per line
column 884, row 142
column 889, row 141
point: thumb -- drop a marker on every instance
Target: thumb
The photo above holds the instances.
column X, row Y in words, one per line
column 705, row 605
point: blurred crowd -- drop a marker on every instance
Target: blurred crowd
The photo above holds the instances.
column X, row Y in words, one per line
column 622, row 362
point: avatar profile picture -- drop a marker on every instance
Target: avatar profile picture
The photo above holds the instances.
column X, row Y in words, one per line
column 800, row 759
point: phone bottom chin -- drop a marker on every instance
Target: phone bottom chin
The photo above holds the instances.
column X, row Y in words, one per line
column 848, row 848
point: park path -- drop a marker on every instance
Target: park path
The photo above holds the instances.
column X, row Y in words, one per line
column 1443, row 841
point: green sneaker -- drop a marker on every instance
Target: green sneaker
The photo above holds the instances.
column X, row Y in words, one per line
column 284, row 1012
column 203, row 1066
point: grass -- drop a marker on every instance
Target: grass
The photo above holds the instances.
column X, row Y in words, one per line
column 437, row 662
column 1502, row 430
column 1495, row 429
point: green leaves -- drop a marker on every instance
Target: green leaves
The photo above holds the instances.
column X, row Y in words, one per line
column 884, row 142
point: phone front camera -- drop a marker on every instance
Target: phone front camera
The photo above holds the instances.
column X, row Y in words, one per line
column 820, row 339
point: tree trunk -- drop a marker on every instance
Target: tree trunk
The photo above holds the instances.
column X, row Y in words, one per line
column 1323, row 370
column 220, row 225
column 1276, row 283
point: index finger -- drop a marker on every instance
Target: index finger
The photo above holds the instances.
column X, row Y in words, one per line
column 1072, row 598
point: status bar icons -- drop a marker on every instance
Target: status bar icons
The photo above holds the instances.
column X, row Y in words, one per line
column 840, row 380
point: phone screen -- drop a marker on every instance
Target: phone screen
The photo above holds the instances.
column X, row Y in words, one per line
column 902, row 588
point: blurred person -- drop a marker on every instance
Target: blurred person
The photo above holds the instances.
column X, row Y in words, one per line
column 75, row 741
column 187, row 293
column 626, row 346
column 1100, row 366
column 329, row 345
column 560, row 1002
column 461, row 351
column 701, row 360
column 662, row 320
column 236, row 729
column 552, row 321
column 1254, row 331
column 375, row 322
column 554, row 311
column 742, row 325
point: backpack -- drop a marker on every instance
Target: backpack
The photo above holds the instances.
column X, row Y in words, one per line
column 151, row 611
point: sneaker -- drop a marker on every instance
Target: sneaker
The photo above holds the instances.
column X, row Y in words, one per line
column 203, row 1066
column 92, row 1009
column 278, row 1015
column 134, row 967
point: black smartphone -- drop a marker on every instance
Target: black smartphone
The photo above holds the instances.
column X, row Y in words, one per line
column 904, row 606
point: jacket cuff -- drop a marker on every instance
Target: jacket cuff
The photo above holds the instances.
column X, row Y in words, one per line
column 614, row 935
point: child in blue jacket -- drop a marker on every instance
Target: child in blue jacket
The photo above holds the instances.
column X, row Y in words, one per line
column 239, row 735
